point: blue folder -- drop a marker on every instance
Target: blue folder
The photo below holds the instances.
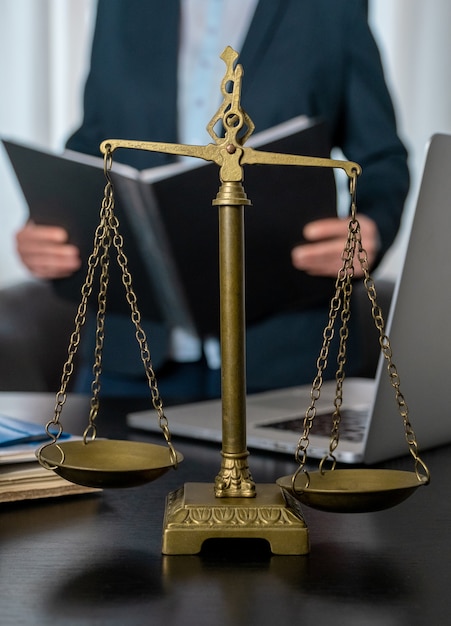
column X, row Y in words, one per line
column 14, row 431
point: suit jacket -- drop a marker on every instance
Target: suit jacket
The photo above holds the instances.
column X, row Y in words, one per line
column 300, row 57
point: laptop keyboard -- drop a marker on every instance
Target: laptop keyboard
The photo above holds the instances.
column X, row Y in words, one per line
column 353, row 424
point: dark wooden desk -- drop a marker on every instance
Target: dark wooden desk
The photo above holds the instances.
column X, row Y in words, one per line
column 96, row 559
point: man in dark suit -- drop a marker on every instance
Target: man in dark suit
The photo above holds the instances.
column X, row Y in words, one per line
column 316, row 58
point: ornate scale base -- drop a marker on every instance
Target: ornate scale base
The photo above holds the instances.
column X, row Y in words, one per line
column 193, row 515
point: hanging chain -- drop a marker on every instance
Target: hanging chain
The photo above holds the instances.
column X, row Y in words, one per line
column 101, row 236
column 421, row 469
column 106, row 234
column 341, row 301
column 140, row 335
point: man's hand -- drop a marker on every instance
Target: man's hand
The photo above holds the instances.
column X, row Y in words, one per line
column 321, row 255
column 44, row 250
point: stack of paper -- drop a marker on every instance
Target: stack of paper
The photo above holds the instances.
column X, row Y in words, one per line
column 21, row 475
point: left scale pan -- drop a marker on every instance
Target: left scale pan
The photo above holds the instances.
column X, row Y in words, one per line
column 109, row 463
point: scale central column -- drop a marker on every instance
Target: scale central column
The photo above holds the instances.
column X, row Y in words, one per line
column 234, row 478
column 232, row 507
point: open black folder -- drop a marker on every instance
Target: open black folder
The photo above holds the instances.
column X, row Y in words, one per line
column 170, row 227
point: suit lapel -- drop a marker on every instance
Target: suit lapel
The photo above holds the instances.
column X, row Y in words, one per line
column 267, row 15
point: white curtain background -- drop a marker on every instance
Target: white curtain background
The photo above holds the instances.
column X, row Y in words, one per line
column 44, row 48
column 414, row 40
column 44, row 54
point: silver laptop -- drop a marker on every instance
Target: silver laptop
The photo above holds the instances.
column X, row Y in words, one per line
column 419, row 328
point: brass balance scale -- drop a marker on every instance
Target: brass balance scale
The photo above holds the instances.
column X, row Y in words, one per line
column 232, row 507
